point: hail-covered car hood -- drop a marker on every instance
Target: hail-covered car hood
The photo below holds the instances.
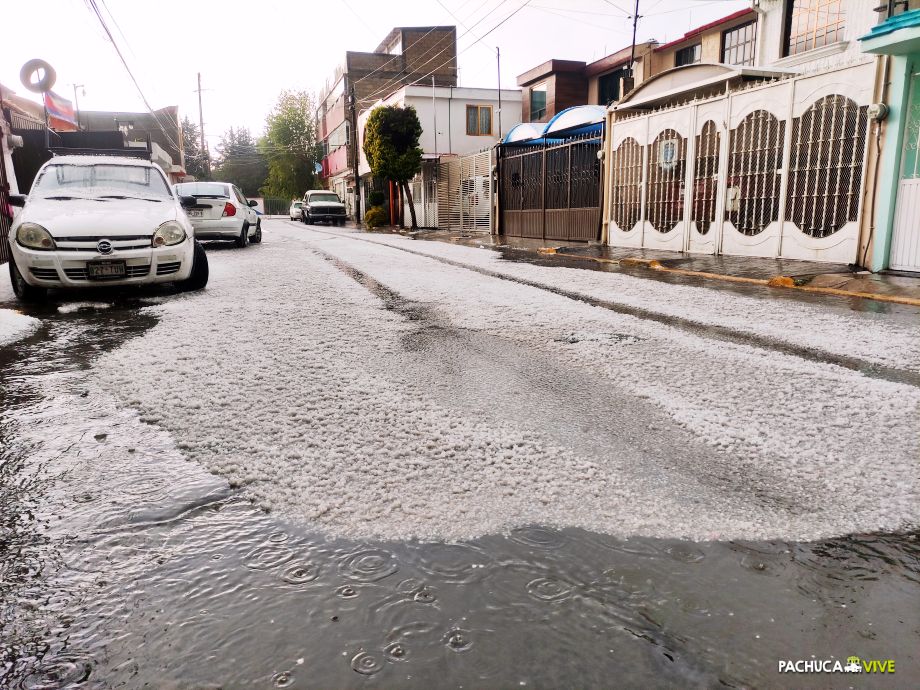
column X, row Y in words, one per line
column 95, row 217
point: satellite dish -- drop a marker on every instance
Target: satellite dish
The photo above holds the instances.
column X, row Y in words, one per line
column 37, row 76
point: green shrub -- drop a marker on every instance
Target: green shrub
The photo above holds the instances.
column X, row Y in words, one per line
column 376, row 198
column 375, row 217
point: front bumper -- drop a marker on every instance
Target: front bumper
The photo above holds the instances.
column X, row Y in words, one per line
column 67, row 269
column 218, row 229
column 316, row 217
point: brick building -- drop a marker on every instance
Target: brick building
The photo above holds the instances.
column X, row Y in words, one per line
column 406, row 55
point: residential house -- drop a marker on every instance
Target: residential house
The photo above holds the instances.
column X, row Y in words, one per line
column 456, row 121
column 770, row 158
column 895, row 243
column 425, row 54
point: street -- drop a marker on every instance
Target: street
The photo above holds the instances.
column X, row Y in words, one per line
column 360, row 455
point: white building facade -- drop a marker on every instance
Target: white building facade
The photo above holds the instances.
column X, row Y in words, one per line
column 457, row 122
column 772, row 160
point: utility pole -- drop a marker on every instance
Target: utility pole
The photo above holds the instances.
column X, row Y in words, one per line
column 204, row 146
column 354, row 148
column 632, row 53
column 498, row 66
column 434, row 112
column 76, row 103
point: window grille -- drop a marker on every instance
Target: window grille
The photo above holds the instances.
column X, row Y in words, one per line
column 754, row 165
column 738, row 44
column 531, row 182
column 585, row 175
column 825, row 167
column 705, row 177
column 626, row 205
column 813, row 24
column 667, row 162
column 557, row 177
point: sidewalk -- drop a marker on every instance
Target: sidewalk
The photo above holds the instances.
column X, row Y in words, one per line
column 807, row 276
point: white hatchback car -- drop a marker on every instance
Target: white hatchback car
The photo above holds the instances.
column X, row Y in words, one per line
column 294, row 212
column 93, row 220
column 221, row 212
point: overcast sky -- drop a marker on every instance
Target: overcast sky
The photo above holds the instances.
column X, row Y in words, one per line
column 247, row 52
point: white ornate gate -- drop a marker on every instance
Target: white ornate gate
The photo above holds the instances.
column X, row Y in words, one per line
column 771, row 170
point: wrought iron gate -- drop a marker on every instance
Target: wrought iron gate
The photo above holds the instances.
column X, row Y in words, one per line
column 552, row 191
column 465, row 193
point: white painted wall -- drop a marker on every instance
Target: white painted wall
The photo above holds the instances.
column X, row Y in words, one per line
column 860, row 18
column 449, row 108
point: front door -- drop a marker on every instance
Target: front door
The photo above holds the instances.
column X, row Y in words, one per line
column 905, row 241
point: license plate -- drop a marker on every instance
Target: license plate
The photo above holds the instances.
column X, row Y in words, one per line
column 195, row 213
column 105, row 269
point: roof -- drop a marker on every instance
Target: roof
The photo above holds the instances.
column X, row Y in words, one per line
column 579, row 119
column 101, row 160
column 620, row 57
column 550, row 67
column 397, row 30
column 693, row 33
column 679, row 81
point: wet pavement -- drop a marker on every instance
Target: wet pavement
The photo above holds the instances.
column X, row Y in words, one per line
column 123, row 564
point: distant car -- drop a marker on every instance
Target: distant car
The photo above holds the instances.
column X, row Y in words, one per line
column 102, row 220
column 294, row 213
column 320, row 205
column 221, row 212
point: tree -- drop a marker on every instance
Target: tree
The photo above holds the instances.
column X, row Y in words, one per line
column 391, row 145
column 239, row 161
column 290, row 146
column 195, row 159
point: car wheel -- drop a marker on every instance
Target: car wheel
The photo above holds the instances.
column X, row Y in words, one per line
column 257, row 238
column 198, row 278
column 308, row 219
column 243, row 239
column 22, row 290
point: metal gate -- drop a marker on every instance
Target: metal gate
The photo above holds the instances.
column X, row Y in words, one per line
column 551, row 191
column 768, row 170
column 465, row 193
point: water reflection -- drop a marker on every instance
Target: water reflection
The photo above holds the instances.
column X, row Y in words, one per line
column 123, row 564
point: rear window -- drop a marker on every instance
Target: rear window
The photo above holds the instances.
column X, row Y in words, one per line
column 203, row 189
column 297, row 204
column 324, row 196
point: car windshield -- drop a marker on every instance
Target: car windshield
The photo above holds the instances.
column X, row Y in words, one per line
column 327, row 196
column 203, row 189
column 102, row 181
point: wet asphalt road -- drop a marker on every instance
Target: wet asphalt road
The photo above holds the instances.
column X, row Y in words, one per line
column 123, row 564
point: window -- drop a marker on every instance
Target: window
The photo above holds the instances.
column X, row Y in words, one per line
column 538, row 102
column 478, row 120
column 813, row 24
column 738, row 44
column 608, row 87
column 688, row 55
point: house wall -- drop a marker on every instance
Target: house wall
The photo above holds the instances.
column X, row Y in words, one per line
column 710, row 40
column 563, row 90
column 860, row 17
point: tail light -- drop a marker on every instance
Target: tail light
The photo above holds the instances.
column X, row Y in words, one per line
column 229, row 210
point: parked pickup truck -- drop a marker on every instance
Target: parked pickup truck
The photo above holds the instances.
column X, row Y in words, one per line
column 320, row 205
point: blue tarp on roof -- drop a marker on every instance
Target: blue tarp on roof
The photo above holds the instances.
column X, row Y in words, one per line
column 579, row 119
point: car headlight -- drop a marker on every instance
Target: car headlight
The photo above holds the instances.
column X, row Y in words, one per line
column 167, row 234
column 34, row 236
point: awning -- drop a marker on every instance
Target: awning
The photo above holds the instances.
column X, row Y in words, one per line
column 679, row 82
column 579, row 119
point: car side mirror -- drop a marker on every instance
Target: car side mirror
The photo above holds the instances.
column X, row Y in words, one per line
column 17, row 200
column 253, row 203
column 188, row 201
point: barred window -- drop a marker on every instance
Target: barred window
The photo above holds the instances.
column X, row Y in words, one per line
column 667, row 162
column 626, row 205
column 813, row 24
column 754, row 174
column 705, row 177
column 738, row 44
column 825, row 167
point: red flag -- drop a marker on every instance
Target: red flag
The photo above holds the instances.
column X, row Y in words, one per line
column 59, row 108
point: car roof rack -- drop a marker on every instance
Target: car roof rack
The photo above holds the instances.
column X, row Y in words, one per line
column 123, row 153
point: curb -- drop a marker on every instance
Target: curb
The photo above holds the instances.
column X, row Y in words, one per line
column 778, row 281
